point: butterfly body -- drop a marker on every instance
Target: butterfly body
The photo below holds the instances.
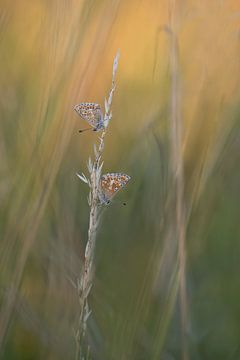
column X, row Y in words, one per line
column 91, row 112
column 110, row 184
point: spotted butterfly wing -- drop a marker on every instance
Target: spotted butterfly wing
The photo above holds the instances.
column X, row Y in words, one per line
column 91, row 112
column 110, row 184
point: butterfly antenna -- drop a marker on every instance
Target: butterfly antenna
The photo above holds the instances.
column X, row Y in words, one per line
column 82, row 130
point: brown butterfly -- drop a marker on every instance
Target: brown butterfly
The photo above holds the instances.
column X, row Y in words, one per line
column 110, row 184
column 91, row 112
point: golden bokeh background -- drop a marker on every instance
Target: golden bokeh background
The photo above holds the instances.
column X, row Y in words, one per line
column 55, row 54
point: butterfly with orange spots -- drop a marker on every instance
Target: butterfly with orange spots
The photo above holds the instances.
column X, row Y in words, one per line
column 110, row 184
column 90, row 112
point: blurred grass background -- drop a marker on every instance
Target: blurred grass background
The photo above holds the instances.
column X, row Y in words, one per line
column 54, row 54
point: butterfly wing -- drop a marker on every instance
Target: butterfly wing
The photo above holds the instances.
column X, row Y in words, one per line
column 111, row 183
column 91, row 112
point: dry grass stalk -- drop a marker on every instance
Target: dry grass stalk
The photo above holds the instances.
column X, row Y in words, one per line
column 84, row 283
column 178, row 178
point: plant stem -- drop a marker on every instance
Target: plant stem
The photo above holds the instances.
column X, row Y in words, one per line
column 85, row 281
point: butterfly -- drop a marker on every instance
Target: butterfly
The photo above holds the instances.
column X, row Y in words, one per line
column 91, row 112
column 110, row 184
